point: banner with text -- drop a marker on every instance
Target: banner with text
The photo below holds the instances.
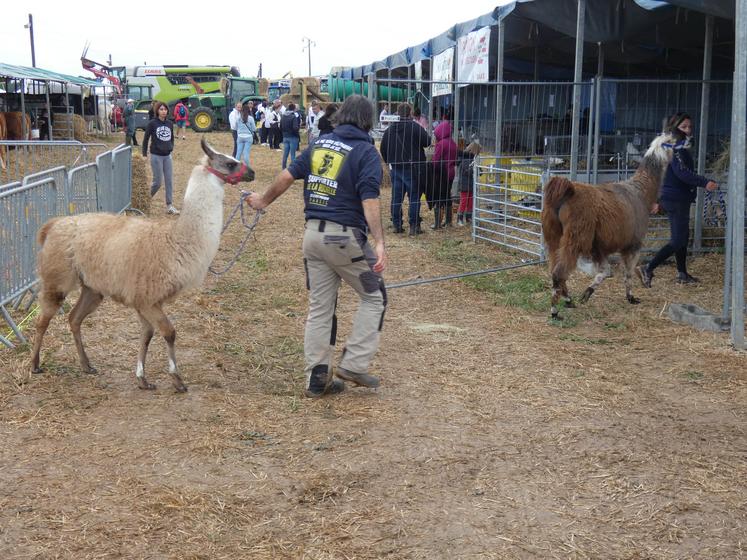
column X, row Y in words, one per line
column 473, row 57
column 443, row 66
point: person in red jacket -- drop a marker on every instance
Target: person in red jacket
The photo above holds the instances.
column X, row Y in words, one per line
column 181, row 118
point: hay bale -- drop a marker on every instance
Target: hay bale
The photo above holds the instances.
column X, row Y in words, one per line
column 63, row 123
column 140, row 184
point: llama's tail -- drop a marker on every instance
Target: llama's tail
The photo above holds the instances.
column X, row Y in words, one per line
column 41, row 237
column 557, row 191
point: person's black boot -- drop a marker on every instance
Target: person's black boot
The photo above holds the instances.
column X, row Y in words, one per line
column 321, row 383
column 645, row 275
column 685, row 278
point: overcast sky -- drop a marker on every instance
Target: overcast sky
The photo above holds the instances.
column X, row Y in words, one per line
column 137, row 32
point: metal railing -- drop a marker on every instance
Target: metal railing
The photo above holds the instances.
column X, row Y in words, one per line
column 26, row 205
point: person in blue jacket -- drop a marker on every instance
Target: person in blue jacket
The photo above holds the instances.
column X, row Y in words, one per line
column 342, row 180
column 678, row 192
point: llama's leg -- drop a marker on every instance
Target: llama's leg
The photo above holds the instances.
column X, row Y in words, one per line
column 87, row 303
column 146, row 334
column 630, row 260
column 49, row 303
column 566, row 296
column 158, row 319
column 601, row 274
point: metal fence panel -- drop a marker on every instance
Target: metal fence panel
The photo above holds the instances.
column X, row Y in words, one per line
column 121, row 188
column 23, row 210
column 31, row 156
column 508, row 203
column 83, row 187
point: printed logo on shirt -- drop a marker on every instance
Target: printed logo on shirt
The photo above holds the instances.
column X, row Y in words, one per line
column 327, row 158
column 163, row 133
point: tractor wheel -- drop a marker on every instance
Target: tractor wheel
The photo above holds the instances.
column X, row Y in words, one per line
column 203, row 119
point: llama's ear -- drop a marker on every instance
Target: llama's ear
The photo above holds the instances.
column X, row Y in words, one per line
column 210, row 152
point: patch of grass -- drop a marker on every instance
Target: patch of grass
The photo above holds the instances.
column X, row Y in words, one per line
column 256, row 261
column 527, row 291
column 614, row 326
column 692, row 375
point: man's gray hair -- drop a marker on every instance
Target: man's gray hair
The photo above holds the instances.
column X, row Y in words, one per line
column 404, row 110
column 356, row 110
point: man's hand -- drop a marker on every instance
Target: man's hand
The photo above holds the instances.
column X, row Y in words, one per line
column 711, row 186
column 380, row 264
column 256, row 201
column 655, row 208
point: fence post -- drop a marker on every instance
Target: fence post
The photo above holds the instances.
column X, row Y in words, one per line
column 703, row 129
column 737, row 174
column 499, row 93
column 577, row 76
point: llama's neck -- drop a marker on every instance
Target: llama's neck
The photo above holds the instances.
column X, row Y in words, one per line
column 200, row 223
column 648, row 177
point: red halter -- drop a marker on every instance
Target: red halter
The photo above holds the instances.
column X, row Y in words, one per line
column 233, row 178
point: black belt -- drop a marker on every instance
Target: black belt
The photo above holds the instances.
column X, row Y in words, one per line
column 323, row 225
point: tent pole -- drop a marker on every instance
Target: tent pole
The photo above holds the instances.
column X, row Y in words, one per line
column 737, row 174
column 577, row 76
column 703, row 128
column 499, row 93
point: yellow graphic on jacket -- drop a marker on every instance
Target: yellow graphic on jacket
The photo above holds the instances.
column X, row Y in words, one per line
column 326, row 163
column 327, row 159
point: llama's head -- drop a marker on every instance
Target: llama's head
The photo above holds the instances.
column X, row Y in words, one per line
column 227, row 168
column 662, row 148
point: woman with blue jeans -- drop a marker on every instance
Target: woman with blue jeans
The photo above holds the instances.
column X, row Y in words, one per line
column 678, row 192
column 245, row 134
column 160, row 135
column 290, row 124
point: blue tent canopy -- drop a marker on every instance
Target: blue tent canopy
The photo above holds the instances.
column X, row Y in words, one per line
column 638, row 37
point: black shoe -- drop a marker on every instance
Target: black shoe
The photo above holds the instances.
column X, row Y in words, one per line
column 644, row 275
column 361, row 379
column 685, row 278
column 399, row 229
column 322, row 383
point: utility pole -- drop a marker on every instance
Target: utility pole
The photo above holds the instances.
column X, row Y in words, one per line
column 30, row 27
column 309, row 44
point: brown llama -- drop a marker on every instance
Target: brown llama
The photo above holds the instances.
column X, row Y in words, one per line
column 139, row 262
column 596, row 221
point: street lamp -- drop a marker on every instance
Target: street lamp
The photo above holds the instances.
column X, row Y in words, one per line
column 309, row 43
column 30, row 27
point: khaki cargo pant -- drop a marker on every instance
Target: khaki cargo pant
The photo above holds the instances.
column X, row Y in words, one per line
column 332, row 253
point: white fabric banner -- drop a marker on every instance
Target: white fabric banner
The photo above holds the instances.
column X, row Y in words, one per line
column 443, row 67
column 473, row 56
column 419, row 75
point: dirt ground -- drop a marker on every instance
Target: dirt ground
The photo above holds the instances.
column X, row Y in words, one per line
column 494, row 434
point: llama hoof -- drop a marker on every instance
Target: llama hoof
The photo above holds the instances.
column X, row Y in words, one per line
column 570, row 304
column 555, row 317
column 633, row 300
column 90, row 370
column 37, row 370
column 586, row 295
column 180, row 388
column 146, row 386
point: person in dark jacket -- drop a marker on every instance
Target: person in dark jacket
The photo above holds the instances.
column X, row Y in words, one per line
column 129, row 121
column 325, row 122
column 342, row 179
column 160, row 136
column 678, row 192
column 290, row 125
column 403, row 149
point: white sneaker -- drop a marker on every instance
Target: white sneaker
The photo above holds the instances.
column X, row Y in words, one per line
column 172, row 210
column 460, row 223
